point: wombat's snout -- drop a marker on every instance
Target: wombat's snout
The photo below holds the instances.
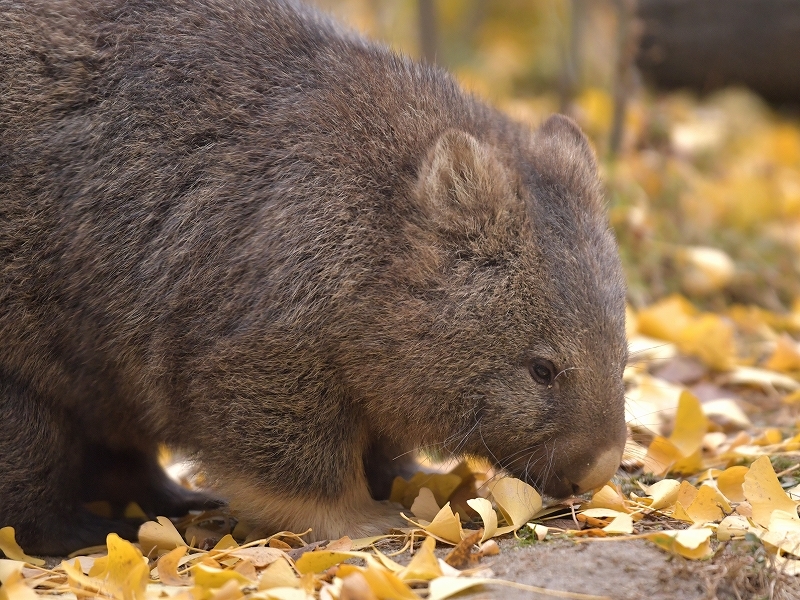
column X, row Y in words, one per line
column 579, row 464
column 598, row 472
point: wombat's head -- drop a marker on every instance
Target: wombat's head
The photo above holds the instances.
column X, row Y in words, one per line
column 507, row 335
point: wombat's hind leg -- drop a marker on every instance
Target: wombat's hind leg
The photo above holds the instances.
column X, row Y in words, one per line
column 122, row 476
column 40, row 456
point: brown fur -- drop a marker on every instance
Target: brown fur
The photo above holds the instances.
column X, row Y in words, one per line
column 233, row 227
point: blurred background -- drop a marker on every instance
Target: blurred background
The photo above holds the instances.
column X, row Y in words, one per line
column 692, row 106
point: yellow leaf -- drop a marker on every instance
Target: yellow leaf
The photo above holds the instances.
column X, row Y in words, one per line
column 484, row 508
column 690, row 425
column 126, row 568
column 730, row 483
column 686, row 493
column 666, row 319
column 622, row 523
column 134, row 511
column 424, row 565
column 518, row 502
column 160, row 535
column 226, row 543
column 607, row 497
column 706, row 506
column 424, row 505
column 786, row 357
column 679, row 512
column 8, row 568
column 661, row 455
column 663, row 493
column 732, row 526
column 285, row 593
column 783, row 532
column 123, row 574
column 689, row 543
column 383, row 583
column 167, row 567
column 764, row 492
column 9, row 546
column 318, row 561
column 278, row 574
column 442, row 485
column 445, row 587
column 210, row 577
column 445, row 526
column 14, row 588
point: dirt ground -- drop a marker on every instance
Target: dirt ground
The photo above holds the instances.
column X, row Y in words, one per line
column 635, row 570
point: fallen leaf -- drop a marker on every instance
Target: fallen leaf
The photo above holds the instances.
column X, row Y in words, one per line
column 689, row 543
column 9, row 546
column 424, row 565
column 764, row 492
column 489, row 517
column 279, row 574
column 516, row 500
column 159, row 535
column 167, row 567
column 462, row 556
column 425, row 506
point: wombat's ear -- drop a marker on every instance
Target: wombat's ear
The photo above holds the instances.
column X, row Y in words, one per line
column 462, row 184
column 563, row 154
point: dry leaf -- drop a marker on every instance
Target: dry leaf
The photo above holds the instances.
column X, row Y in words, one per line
column 764, row 492
column 462, row 556
column 9, row 547
column 424, row 565
column 159, row 536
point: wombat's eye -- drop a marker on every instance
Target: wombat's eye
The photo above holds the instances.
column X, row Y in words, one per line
column 542, row 371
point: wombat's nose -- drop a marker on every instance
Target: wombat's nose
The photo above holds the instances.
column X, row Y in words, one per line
column 603, row 469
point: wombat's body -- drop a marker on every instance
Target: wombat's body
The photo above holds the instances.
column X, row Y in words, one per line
column 232, row 227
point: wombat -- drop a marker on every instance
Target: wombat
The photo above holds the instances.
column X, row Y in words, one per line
column 237, row 228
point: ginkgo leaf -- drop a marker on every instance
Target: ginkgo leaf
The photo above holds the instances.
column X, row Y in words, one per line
column 489, row 517
column 707, row 506
column 159, row 536
column 9, row 547
column 607, row 497
column 689, row 543
column 764, row 492
column 383, row 583
column 14, row 588
column 732, row 526
column 516, row 500
column 9, row 567
column 663, row 493
column 690, row 425
column 622, row 523
column 425, row 506
column 278, row 574
column 167, row 567
column 446, row 526
column 424, row 565
column 210, row 577
column 730, row 483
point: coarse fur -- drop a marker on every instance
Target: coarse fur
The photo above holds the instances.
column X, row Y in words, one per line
column 234, row 227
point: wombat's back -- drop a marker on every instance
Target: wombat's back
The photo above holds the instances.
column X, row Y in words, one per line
column 180, row 155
